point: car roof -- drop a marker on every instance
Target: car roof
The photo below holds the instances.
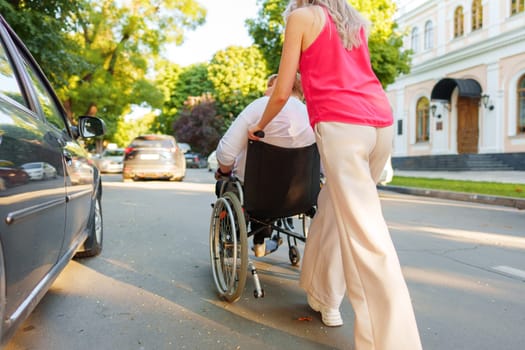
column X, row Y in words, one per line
column 154, row 137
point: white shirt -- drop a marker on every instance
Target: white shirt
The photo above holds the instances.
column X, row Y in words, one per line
column 290, row 129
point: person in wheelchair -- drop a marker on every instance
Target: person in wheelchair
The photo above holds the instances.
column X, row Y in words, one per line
column 289, row 129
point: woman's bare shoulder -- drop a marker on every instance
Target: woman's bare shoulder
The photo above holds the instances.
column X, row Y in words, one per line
column 303, row 13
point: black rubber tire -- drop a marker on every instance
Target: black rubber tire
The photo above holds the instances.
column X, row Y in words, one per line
column 294, row 255
column 94, row 241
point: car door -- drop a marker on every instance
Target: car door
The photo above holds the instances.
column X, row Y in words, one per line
column 80, row 173
column 33, row 212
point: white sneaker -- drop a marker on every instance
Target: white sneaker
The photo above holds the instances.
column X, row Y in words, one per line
column 259, row 249
column 330, row 317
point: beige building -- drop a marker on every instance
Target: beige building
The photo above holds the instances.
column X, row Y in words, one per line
column 465, row 93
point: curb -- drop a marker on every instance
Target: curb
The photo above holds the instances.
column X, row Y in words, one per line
column 458, row 196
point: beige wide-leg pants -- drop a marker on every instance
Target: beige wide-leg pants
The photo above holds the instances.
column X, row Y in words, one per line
column 349, row 247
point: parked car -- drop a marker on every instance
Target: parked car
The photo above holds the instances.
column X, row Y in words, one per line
column 44, row 223
column 184, row 147
column 154, row 157
column 212, row 162
column 13, row 176
column 195, row 160
column 110, row 161
column 40, row 170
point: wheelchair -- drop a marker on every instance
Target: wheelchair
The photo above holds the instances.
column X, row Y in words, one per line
column 280, row 183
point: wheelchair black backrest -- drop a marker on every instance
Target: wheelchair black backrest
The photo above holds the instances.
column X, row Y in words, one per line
column 280, row 182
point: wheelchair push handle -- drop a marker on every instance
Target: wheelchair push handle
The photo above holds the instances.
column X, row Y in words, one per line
column 259, row 133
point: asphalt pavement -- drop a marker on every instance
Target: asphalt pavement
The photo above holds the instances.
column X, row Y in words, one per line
column 515, row 177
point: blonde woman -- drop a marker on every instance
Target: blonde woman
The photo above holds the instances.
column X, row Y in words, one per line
column 349, row 248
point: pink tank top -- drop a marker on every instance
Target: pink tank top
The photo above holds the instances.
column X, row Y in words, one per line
column 339, row 84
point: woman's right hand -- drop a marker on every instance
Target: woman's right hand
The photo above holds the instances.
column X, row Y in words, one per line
column 253, row 131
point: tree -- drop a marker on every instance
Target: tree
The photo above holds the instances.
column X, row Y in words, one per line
column 179, row 84
column 199, row 125
column 128, row 129
column 120, row 40
column 267, row 31
column 43, row 27
column 238, row 75
column 385, row 43
column 99, row 53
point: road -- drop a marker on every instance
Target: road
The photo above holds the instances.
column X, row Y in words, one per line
column 151, row 288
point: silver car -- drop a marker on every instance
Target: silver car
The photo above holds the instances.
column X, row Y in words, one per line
column 110, row 161
column 40, row 170
column 154, row 157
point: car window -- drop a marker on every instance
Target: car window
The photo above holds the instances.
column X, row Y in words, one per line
column 49, row 107
column 140, row 143
column 8, row 82
column 31, row 166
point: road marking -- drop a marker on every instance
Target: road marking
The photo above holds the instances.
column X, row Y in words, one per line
column 510, row 271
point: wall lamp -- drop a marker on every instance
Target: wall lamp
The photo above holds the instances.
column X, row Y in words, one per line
column 433, row 108
column 486, row 102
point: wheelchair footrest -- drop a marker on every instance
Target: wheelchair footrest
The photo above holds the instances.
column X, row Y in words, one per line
column 258, row 292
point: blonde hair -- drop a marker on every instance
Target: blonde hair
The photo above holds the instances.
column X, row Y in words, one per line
column 271, row 80
column 347, row 19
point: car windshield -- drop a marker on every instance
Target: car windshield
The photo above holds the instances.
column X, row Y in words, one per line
column 152, row 144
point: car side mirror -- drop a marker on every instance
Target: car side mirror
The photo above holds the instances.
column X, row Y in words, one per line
column 91, row 126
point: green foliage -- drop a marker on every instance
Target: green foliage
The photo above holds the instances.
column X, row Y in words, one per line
column 388, row 58
column 127, row 130
column 267, row 31
column 238, row 76
column 43, row 27
column 120, row 40
column 180, row 84
column 385, row 43
column 203, row 98
column 98, row 53
column 489, row 188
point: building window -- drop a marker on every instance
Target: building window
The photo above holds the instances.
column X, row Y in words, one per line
column 429, row 35
column 415, row 40
column 477, row 15
column 521, row 105
column 517, row 6
column 422, row 120
column 458, row 22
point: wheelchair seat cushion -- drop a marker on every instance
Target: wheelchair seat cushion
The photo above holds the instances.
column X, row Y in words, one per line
column 280, row 182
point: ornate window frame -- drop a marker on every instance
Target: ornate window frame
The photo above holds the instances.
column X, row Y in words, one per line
column 459, row 22
column 422, row 125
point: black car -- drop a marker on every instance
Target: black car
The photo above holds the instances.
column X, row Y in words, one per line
column 154, row 156
column 43, row 223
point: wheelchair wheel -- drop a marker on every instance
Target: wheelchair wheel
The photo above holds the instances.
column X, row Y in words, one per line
column 228, row 247
column 294, row 255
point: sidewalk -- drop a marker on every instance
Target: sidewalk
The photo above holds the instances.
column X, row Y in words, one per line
column 517, row 177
